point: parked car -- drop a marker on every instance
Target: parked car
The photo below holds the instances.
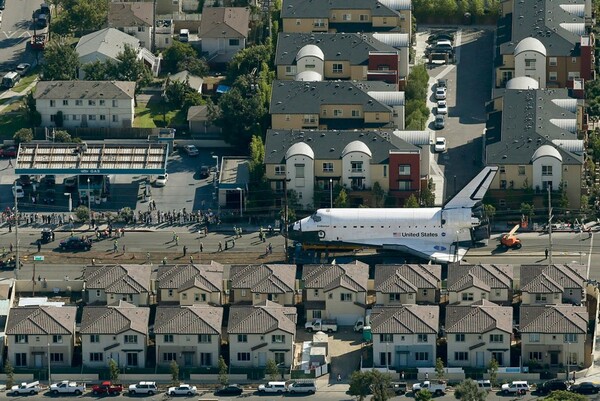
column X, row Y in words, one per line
column 2, row 4
column 161, row 180
column 516, row 387
column 324, row 325
column 107, row 387
column 440, row 121
column 182, row 389
column 440, row 144
column 49, row 180
column 204, row 171
column 191, row 150
column 75, row 244
column 485, row 385
column 67, row 387
column 148, row 388
column 70, row 182
column 440, row 93
column 25, row 180
column 9, row 151
column 272, row 387
column 23, row 69
column 398, row 388
column 437, row 388
column 25, row 388
column 436, row 37
column 17, row 191
column 442, row 107
column 585, row 388
column 304, row 386
column 552, row 385
column 232, row 389
column 442, row 83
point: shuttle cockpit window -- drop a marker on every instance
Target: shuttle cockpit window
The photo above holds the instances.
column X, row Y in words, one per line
column 316, row 218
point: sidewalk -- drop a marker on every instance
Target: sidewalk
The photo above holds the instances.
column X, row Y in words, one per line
column 15, row 96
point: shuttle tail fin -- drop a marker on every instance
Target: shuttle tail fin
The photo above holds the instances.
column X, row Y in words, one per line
column 474, row 191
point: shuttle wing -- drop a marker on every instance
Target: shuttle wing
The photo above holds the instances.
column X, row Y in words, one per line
column 474, row 191
column 449, row 253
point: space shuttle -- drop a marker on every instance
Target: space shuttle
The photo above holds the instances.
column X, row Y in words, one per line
column 439, row 234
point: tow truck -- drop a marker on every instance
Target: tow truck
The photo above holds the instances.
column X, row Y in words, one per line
column 39, row 40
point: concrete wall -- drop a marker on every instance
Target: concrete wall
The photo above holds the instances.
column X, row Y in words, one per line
column 48, row 287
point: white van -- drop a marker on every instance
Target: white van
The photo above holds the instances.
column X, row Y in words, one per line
column 484, row 385
column 304, row 386
column 184, row 35
column 10, row 79
column 272, row 387
column 515, row 387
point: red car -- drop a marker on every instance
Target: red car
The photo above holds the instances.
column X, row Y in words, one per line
column 106, row 387
column 10, row 151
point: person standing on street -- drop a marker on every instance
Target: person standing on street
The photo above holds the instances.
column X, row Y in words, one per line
column 201, row 247
column 184, row 250
column 115, row 246
column 39, row 246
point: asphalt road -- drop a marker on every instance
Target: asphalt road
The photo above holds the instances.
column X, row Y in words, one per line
column 15, row 31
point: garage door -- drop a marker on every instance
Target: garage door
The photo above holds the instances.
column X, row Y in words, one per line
column 347, row 320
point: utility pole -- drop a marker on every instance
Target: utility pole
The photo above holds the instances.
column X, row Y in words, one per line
column 17, row 259
column 549, row 225
column 285, row 217
column 154, row 26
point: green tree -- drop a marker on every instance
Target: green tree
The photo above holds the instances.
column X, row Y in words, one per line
column 98, row 70
column 174, row 370
column 493, row 369
column 563, row 202
column 489, row 210
column 82, row 213
column 415, row 90
column 175, row 54
column 411, row 201
column 378, row 194
column 445, row 8
column 31, row 113
column 60, row 61
column 248, row 60
column 113, row 368
column 527, row 209
column 129, row 68
column 85, row 15
column 439, row 368
column 423, row 395
column 469, row 391
column 271, row 369
column 239, row 117
column 9, row 371
column 380, row 384
column 196, row 66
column 23, row 135
column 223, row 371
column 176, row 91
column 62, row 136
column 565, row 396
column 360, row 383
column 341, row 200
column 477, row 7
column 427, row 196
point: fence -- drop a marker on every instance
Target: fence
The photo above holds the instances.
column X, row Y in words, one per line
column 102, row 133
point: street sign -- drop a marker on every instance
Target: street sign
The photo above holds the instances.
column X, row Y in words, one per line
column 38, row 258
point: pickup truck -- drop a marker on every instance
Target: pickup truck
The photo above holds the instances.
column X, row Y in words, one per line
column 437, row 388
column 106, row 387
column 67, row 387
column 398, row 388
column 25, row 388
column 363, row 322
column 329, row 326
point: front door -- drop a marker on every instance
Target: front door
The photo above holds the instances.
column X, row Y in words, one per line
column 37, row 360
column 188, row 359
column 403, row 359
column 262, row 359
column 499, row 357
column 479, row 359
column 554, row 358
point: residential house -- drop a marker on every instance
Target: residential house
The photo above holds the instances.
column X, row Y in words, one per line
column 337, row 105
column 540, row 128
column 407, row 284
column 190, row 284
column 109, row 284
column 352, row 56
column 346, row 16
column 261, row 332
column 164, row 6
column 93, row 104
column 253, row 284
column 164, row 30
column 107, row 44
column 478, row 333
column 199, row 121
column 189, row 335
column 118, row 332
column 550, row 41
column 553, row 284
column 467, row 284
column 337, row 291
column 192, row 81
column 224, row 31
column 312, row 163
column 405, row 336
column 133, row 18
column 234, row 175
column 33, row 332
column 554, row 335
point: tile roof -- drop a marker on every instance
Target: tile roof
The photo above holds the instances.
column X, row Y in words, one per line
column 224, row 22
column 300, row 97
column 118, row 279
column 558, row 319
column 108, row 41
column 527, row 123
column 194, row 319
column 114, row 319
column 264, row 279
column 484, row 276
column 84, row 90
column 407, row 278
column 479, row 317
column 352, row 47
column 41, row 320
column 328, row 145
column 353, row 276
column 552, row 279
column 261, row 319
column 321, row 9
column 406, row 319
column 124, row 15
column 208, row 277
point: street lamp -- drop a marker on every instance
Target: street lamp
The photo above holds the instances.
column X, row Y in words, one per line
column 70, row 201
column 217, row 164
column 89, row 202
column 241, row 204
column 49, row 372
column 331, row 193
column 17, row 259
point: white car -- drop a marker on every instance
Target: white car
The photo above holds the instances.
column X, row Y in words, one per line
column 442, row 107
column 191, row 150
column 440, row 93
column 161, row 180
column 183, row 389
column 440, row 144
column 273, row 387
column 143, row 388
column 17, row 191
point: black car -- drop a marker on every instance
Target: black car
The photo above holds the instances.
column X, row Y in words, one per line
column 2, row 4
column 204, row 171
column 232, row 389
column 552, row 385
column 25, row 180
column 75, row 244
column 585, row 388
column 49, row 180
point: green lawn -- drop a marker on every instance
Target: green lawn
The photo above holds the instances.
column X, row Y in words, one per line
column 11, row 123
column 23, row 83
column 151, row 116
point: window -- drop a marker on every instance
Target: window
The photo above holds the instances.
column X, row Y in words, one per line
column 115, row 103
column 467, row 296
column 404, row 185
column 299, row 170
column 572, row 358
column 243, row 292
column 386, row 338
column 52, row 103
column 546, row 170
column 184, row 296
column 503, row 184
column 461, row 356
column 552, row 76
column 327, row 168
column 92, row 117
column 363, row 17
column 78, row 102
column 496, row 338
column 94, row 338
column 421, row 356
column 318, row 23
column 552, row 61
column 385, row 171
column 540, row 297
column 242, row 338
column 338, row 113
column 115, row 118
column 96, row 357
column 102, row 117
column 459, row 338
column 21, row 339
column 498, row 293
column 101, row 102
column 404, row 169
column 422, row 338
column 132, row 359
column 310, row 119
column 205, row 359
column 57, row 339
column 530, row 64
column 573, row 60
column 346, row 297
column 280, row 170
column 316, row 293
column 57, row 357
column 131, row 339
column 278, row 338
column 91, row 102
column 346, row 17
column 534, row 337
column 169, row 356
column 298, row 22
column 309, row 66
column 573, row 75
column 21, row 359
column 168, row 338
column 506, row 76
column 170, row 292
column 395, row 297
column 75, row 117
column 338, row 68
column 570, row 338
column 535, row 355
column 290, row 70
column 316, row 314
column 205, row 338
column 65, row 102
column 279, row 357
column 234, row 42
column 357, row 167
column 355, row 113
column 243, row 356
